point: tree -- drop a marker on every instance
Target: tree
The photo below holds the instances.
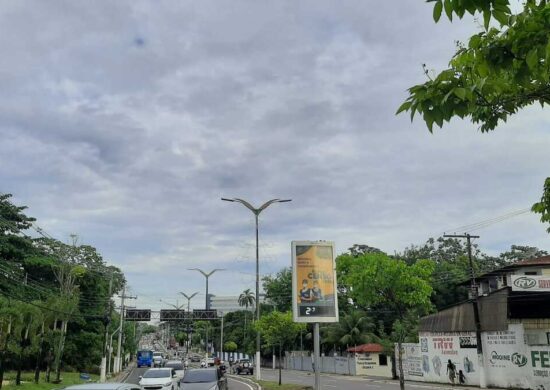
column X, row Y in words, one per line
column 354, row 328
column 501, row 70
column 246, row 299
column 278, row 289
column 278, row 330
column 230, row 346
column 377, row 279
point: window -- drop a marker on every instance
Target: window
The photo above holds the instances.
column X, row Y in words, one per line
column 382, row 360
column 531, row 273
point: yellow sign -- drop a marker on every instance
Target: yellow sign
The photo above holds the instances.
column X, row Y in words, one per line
column 314, row 282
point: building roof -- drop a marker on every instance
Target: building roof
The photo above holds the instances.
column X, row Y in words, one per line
column 543, row 260
column 367, row 348
column 535, row 262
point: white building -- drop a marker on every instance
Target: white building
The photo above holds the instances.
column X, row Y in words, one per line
column 514, row 313
column 229, row 303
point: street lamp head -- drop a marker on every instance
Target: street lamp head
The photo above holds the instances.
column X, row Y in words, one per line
column 228, row 200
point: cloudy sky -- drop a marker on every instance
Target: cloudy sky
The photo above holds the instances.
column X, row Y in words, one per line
column 125, row 122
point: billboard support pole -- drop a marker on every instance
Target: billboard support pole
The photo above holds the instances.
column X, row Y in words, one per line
column 316, row 357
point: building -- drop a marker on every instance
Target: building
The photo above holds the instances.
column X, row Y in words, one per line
column 371, row 360
column 514, row 314
column 229, row 303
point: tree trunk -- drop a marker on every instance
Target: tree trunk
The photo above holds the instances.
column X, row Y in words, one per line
column 280, row 369
column 3, row 354
column 19, row 369
column 400, row 364
column 59, row 353
column 48, row 365
column 39, row 356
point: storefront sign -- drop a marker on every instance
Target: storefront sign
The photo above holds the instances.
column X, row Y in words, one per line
column 530, row 283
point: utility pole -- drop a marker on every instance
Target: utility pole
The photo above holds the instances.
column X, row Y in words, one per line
column 475, row 291
column 106, row 322
column 118, row 359
column 221, row 340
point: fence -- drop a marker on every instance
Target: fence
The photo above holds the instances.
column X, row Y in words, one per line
column 329, row 364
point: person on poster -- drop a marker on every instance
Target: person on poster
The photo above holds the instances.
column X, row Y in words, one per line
column 316, row 293
column 305, row 292
column 451, row 371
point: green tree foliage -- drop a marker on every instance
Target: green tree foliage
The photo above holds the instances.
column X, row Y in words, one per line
column 278, row 289
column 230, row 346
column 354, row 328
column 543, row 207
column 501, row 70
column 278, row 331
column 377, row 279
column 63, row 288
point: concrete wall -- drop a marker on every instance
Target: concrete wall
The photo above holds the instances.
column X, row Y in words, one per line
column 509, row 361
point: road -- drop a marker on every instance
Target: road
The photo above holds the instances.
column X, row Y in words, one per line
column 232, row 383
column 328, row 382
column 332, row 382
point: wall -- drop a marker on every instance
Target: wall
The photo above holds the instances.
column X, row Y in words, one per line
column 329, row 364
column 512, row 363
column 508, row 360
column 368, row 364
column 427, row 361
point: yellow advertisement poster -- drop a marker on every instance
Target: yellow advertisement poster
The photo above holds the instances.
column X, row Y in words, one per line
column 314, row 282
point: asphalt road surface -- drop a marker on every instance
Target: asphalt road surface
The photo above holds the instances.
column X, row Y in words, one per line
column 341, row 382
column 232, row 383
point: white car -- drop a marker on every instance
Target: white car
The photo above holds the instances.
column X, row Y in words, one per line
column 159, row 379
column 177, row 365
column 158, row 359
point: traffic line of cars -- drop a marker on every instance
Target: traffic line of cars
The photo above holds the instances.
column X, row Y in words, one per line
column 166, row 378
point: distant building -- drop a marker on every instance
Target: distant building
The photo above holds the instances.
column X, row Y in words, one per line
column 514, row 314
column 229, row 303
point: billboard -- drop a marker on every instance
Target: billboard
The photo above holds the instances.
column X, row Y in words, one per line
column 314, row 289
column 530, row 283
column 137, row 315
column 172, row 315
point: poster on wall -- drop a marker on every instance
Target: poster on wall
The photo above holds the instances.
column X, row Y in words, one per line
column 314, row 282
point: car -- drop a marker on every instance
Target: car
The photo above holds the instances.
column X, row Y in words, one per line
column 243, row 367
column 104, row 386
column 210, row 361
column 195, row 359
column 176, row 365
column 204, row 379
column 158, row 359
column 159, row 379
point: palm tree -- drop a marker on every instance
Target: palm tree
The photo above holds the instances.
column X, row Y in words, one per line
column 354, row 328
column 246, row 299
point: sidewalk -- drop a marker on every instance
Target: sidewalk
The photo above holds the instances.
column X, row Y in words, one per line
column 122, row 375
column 381, row 380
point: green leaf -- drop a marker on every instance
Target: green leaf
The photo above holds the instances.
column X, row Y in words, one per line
column 502, row 17
column 486, row 18
column 474, row 42
column 532, row 59
column 460, row 92
column 449, row 9
column 438, row 7
column 404, row 107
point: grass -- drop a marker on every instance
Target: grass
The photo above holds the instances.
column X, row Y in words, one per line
column 285, row 386
column 27, row 381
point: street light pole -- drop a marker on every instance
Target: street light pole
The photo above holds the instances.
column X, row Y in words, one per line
column 188, row 297
column 256, row 212
column 206, row 275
